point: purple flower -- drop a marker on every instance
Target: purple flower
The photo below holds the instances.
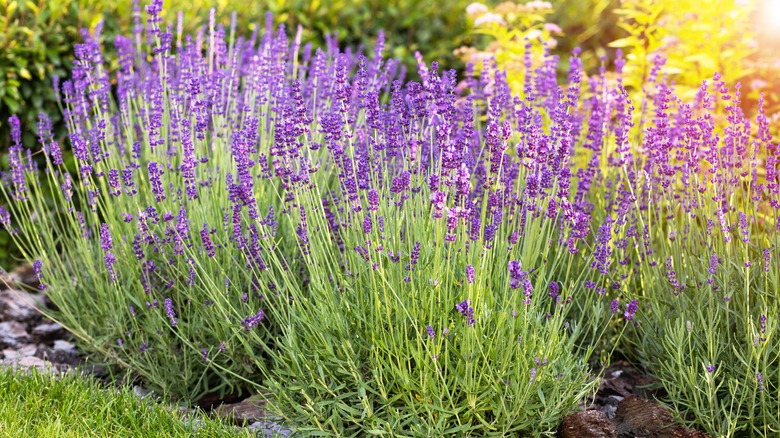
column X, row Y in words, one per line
column 431, row 332
column 743, row 225
column 766, row 260
column 54, row 151
column 533, row 374
column 516, row 274
column 155, row 173
column 760, row 381
column 373, row 200
column 37, row 268
column 437, row 200
column 711, row 368
column 208, row 245
column 401, row 183
column 253, row 320
column 169, row 312
column 153, row 11
column 5, row 218
column 15, row 159
column 603, row 249
column 114, row 183
column 367, row 225
column 415, row 255
column 631, row 310
column 465, row 309
column 109, row 260
column 470, row 274
column 714, row 261
column 555, row 289
column 433, row 182
column 205, row 354
column 105, row 237
column 614, row 306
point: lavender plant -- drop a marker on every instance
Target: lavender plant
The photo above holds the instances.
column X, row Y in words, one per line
column 450, row 306
column 692, row 227
column 378, row 256
column 156, row 253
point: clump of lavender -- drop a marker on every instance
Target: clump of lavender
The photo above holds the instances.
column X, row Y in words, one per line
column 380, row 193
column 693, row 208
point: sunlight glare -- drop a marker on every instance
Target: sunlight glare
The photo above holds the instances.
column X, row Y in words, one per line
column 769, row 11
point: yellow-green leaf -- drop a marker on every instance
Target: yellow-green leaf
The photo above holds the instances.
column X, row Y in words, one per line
column 33, row 7
column 624, row 42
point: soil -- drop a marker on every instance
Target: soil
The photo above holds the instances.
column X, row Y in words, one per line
column 624, row 407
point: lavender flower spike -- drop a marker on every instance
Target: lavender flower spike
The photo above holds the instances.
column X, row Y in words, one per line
column 169, row 312
column 253, row 320
column 37, row 268
column 465, row 309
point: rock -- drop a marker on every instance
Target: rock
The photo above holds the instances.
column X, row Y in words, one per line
column 141, row 392
column 48, row 331
column 20, row 351
column 28, row 350
column 31, row 362
column 16, row 305
column 12, row 333
column 244, row 412
column 270, row 429
column 65, row 358
column 64, row 346
column 610, row 405
column 641, row 418
column 587, row 424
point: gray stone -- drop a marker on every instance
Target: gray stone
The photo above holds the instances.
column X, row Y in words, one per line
column 30, row 362
column 64, row 346
column 48, row 331
column 141, row 392
column 18, row 305
column 12, row 333
column 270, row 429
column 28, row 350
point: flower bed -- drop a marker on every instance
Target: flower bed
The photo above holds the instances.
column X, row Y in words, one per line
column 403, row 258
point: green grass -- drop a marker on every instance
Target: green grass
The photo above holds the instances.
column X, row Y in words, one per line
column 39, row 404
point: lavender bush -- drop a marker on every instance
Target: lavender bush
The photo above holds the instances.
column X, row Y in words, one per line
column 449, row 304
column 691, row 229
